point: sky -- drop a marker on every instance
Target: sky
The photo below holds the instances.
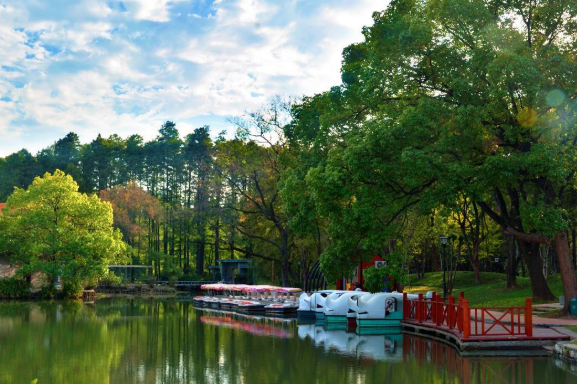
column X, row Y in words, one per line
column 125, row 67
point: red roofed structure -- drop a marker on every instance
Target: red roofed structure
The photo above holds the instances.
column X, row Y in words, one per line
column 2, row 205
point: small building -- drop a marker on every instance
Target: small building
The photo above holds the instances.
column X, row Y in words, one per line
column 233, row 271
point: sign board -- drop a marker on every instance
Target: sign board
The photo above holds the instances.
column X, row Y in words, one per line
column 380, row 263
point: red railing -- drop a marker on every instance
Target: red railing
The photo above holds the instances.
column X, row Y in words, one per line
column 456, row 315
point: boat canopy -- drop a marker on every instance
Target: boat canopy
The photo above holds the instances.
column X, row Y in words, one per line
column 249, row 288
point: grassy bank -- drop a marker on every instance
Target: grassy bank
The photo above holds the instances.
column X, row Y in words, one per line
column 491, row 292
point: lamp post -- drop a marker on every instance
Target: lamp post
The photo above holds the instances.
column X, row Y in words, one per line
column 444, row 240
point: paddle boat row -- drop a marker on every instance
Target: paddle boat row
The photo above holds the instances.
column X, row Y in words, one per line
column 364, row 310
column 249, row 298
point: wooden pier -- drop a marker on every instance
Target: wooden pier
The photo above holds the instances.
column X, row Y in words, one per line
column 476, row 328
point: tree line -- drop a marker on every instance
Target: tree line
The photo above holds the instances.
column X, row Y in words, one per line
column 453, row 117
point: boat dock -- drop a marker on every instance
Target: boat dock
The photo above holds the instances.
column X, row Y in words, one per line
column 476, row 328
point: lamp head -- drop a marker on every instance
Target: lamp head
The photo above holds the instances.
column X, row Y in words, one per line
column 443, row 240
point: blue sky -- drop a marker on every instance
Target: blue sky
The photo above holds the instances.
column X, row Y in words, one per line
column 109, row 66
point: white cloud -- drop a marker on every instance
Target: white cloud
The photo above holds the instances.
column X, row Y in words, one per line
column 93, row 68
column 152, row 10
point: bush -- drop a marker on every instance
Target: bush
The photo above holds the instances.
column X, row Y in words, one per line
column 72, row 289
column 14, row 288
column 48, row 291
column 110, row 280
column 190, row 277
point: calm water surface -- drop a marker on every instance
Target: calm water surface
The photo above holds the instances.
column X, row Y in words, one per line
column 155, row 341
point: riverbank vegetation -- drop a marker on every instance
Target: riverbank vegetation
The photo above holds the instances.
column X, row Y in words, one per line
column 453, row 118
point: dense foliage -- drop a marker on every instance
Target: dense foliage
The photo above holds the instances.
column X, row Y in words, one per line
column 454, row 117
column 14, row 288
column 53, row 229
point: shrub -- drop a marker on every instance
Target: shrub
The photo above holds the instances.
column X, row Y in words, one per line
column 110, row 280
column 72, row 288
column 48, row 291
column 14, row 288
column 190, row 277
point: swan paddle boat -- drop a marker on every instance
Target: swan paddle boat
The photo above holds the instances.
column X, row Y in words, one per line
column 337, row 307
column 318, row 301
column 380, row 310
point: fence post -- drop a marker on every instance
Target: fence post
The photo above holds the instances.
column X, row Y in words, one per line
column 529, row 317
column 439, row 304
column 419, row 309
column 466, row 314
column 461, row 296
column 451, row 312
column 434, row 307
column 406, row 314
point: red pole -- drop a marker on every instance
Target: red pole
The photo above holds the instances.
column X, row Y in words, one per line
column 419, row 309
column 405, row 305
column 466, row 319
column 434, row 307
column 451, row 312
column 439, row 304
column 529, row 317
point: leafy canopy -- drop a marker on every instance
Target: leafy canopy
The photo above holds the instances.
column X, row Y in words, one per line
column 54, row 229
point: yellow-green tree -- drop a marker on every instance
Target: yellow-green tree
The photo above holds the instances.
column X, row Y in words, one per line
column 53, row 229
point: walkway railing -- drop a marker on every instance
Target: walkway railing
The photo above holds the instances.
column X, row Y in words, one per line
column 455, row 315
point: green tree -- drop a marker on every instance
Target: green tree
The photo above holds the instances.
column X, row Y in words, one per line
column 449, row 97
column 53, row 229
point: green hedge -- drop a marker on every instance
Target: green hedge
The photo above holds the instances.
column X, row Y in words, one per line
column 13, row 288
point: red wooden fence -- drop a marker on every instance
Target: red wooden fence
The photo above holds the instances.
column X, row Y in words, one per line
column 457, row 316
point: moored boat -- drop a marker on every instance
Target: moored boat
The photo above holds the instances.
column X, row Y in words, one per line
column 318, row 300
column 249, row 306
column 337, row 306
column 380, row 310
column 304, row 311
column 281, row 308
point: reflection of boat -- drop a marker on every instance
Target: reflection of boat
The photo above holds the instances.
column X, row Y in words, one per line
column 336, row 308
column 306, row 331
column 341, row 341
column 379, row 347
column 374, row 347
column 252, row 328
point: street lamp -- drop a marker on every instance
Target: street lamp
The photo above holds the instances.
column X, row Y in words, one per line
column 444, row 240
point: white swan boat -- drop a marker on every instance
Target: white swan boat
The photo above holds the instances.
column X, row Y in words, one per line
column 337, row 307
column 318, row 302
column 308, row 303
column 380, row 310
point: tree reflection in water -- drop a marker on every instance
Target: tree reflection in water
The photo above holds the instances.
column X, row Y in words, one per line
column 167, row 341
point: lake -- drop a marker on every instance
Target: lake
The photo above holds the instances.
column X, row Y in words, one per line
column 121, row 340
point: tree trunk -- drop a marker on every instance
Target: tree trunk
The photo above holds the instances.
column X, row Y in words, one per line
column 539, row 287
column 475, row 263
column 566, row 268
column 285, row 272
column 511, row 269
